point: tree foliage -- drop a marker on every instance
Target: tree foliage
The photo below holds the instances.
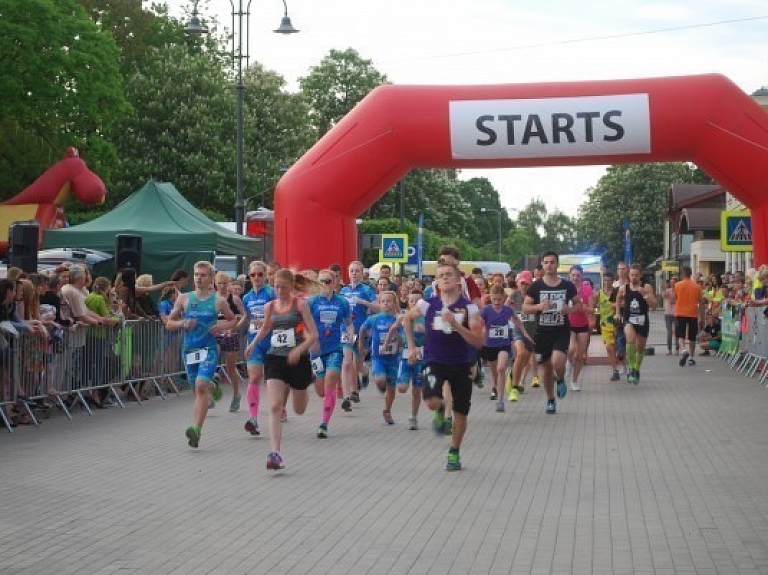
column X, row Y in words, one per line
column 336, row 85
column 59, row 86
column 639, row 192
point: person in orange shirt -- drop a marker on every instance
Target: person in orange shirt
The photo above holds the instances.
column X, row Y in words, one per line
column 688, row 296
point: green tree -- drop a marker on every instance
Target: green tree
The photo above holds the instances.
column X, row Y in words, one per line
column 336, row 85
column 59, row 86
column 136, row 29
column 639, row 192
column 276, row 131
column 436, row 194
column 181, row 129
column 485, row 208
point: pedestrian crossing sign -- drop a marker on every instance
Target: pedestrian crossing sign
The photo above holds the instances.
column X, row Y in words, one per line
column 736, row 231
column 394, row 248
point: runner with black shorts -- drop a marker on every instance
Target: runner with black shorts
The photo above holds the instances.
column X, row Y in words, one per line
column 452, row 322
column 632, row 304
column 552, row 299
column 291, row 329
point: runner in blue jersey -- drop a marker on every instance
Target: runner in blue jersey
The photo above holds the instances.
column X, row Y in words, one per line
column 197, row 314
column 408, row 373
column 254, row 302
column 452, row 322
column 362, row 301
column 332, row 318
column 385, row 349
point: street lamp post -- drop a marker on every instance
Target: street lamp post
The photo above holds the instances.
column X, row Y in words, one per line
column 498, row 213
column 242, row 14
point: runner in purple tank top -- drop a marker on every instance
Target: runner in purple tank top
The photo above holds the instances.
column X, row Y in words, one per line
column 452, row 321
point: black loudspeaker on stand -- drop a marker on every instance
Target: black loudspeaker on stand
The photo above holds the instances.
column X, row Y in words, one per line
column 24, row 241
column 128, row 252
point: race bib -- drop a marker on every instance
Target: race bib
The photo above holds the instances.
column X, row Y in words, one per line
column 283, row 338
column 196, row 356
column 439, row 324
column 317, row 365
column 498, row 332
column 557, row 306
column 348, row 339
column 637, row 319
column 525, row 317
column 419, row 351
column 252, row 329
column 388, row 348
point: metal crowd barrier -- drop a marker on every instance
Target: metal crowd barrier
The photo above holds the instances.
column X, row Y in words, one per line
column 745, row 340
column 87, row 366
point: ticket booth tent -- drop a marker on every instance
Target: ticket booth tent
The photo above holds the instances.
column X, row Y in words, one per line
column 175, row 234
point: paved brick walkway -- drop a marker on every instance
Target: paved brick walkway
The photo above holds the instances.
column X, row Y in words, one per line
column 668, row 477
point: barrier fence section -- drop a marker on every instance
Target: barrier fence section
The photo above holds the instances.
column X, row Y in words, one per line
column 86, row 366
column 745, row 340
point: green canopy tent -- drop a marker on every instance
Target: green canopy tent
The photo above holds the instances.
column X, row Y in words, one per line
column 174, row 233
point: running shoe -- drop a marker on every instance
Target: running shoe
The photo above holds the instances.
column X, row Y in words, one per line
column 355, row 396
column 691, row 361
column 615, row 376
column 274, row 461
column 388, row 417
column 513, row 394
column 216, row 393
column 562, row 389
column 551, row 407
column 252, row 426
column 508, row 386
column 234, row 406
column 631, row 376
column 438, row 420
column 535, row 381
column 500, row 406
column 520, row 387
column 413, row 423
column 684, row 358
column 448, row 426
column 364, row 381
column 193, row 436
column 575, row 386
column 453, row 462
column 637, row 376
column 322, row 431
column 284, row 416
column 494, row 395
column 346, row 405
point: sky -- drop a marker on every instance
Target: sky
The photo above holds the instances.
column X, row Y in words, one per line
column 471, row 42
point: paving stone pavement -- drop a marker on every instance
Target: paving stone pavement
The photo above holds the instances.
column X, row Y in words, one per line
column 666, row 477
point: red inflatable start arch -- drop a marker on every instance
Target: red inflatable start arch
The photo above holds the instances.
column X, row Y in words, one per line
column 705, row 119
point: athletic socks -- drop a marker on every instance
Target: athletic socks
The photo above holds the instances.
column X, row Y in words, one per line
column 329, row 403
column 632, row 355
column 253, row 395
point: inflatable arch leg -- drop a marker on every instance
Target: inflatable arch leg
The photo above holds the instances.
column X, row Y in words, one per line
column 704, row 119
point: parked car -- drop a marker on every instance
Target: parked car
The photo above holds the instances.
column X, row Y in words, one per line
column 99, row 263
